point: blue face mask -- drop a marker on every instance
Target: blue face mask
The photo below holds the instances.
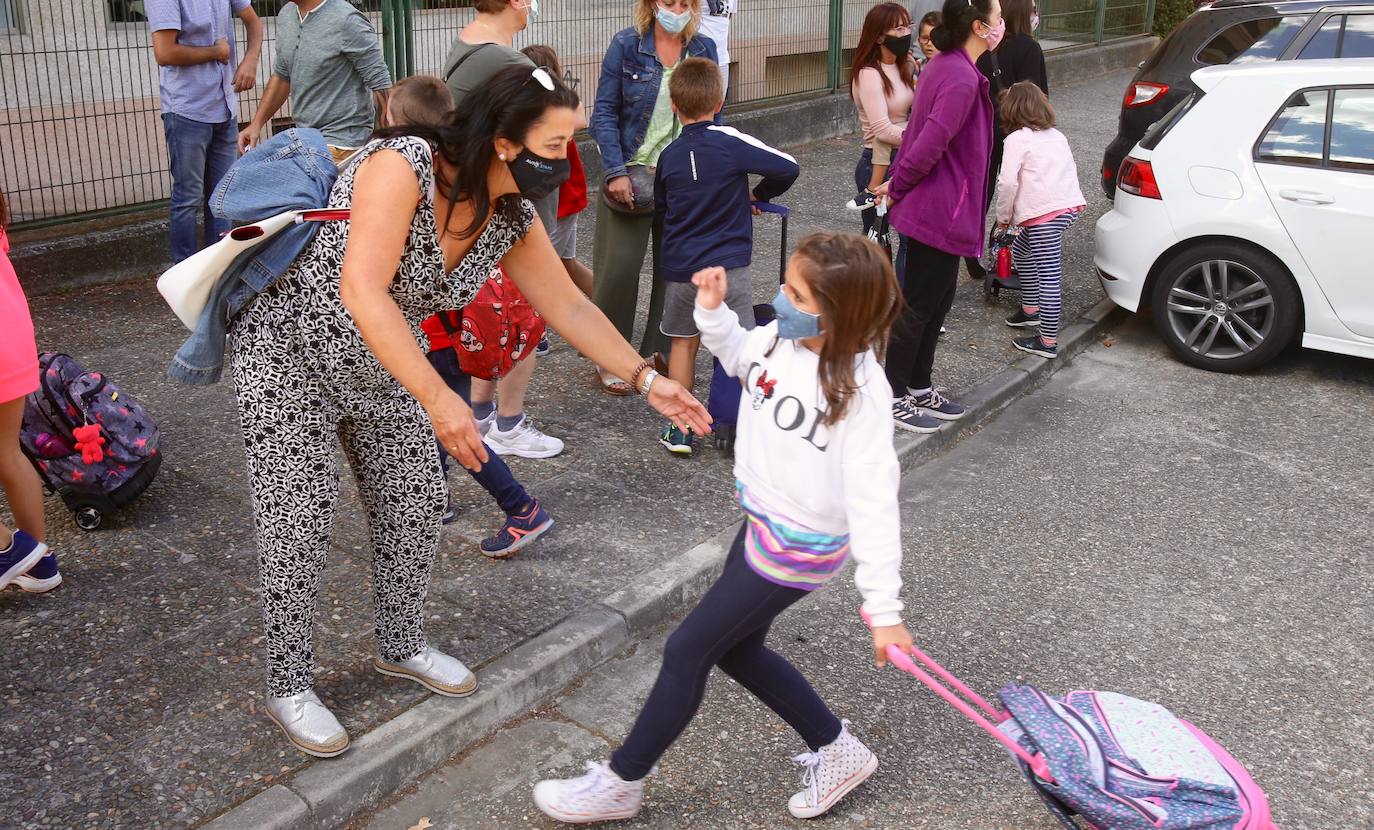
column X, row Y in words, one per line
column 793, row 323
column 672, row 22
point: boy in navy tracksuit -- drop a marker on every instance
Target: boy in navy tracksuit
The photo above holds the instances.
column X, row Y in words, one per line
column 702, row 205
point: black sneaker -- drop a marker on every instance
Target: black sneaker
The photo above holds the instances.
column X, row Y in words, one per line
column 1022, row 320
column 1035, row 346
column 863, row 201
column 938, row 406
column 449, row 515
column 906, row 415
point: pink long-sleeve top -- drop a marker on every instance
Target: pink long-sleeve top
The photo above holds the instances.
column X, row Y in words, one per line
column 882, row 114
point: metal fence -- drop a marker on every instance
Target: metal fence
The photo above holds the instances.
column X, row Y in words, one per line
column 80, row 128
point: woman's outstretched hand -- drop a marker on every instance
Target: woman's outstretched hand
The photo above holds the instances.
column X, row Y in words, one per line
column 457, row 431
column 890, row 635
column 680, row 406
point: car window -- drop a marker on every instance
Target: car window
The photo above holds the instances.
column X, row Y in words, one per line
column 1298, row 134
column 1352, row 130
column 1160, row 128
column 1359, row 36
column 1326, row 42
column 1253, row 40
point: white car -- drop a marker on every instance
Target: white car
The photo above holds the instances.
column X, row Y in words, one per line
column 1245, row 216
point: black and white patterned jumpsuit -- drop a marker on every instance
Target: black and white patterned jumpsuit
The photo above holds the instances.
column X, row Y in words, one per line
column 303, row 376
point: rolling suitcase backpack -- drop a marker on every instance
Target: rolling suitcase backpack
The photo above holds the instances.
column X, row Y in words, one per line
column 1117, row 762
column 723, row 400
column 93, row 444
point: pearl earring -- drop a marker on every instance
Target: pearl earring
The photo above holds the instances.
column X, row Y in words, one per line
column 502, row 156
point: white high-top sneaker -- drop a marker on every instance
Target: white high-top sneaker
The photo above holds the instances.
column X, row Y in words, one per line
column 829, row 775
column 600, row 795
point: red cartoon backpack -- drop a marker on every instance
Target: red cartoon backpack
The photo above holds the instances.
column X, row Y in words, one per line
column 497, row 330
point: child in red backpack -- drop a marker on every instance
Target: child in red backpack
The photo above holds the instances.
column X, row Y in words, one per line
column 25, row 560
column 425, row 100
column 817, row 477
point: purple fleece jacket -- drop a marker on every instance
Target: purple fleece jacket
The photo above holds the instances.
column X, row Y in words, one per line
column 940, row 175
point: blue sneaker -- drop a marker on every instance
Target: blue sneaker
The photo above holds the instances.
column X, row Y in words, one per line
column 938, row 406
column 676, row 441
column 23, row 553
column 42, row 577
column 517, row 532
column 543, row 347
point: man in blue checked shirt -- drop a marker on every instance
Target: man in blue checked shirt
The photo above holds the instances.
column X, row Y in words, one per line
column 193, row 42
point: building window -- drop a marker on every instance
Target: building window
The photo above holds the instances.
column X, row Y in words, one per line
column 9, row 14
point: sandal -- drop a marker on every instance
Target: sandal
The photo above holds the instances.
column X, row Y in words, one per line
column 612, row 384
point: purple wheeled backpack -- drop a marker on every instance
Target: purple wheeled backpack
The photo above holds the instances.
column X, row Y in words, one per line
column 69, row 397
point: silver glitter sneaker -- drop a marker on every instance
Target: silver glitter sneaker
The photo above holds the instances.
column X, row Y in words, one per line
column 436, row 671
column 308, row 724
column 830, row 773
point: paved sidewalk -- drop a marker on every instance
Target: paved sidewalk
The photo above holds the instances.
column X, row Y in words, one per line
column 1201, row 549
column 133, row 695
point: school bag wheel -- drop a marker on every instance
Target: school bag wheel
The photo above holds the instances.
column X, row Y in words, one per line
column 88, row 517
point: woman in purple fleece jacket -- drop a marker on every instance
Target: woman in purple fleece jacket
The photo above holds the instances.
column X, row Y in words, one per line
column 938, row 196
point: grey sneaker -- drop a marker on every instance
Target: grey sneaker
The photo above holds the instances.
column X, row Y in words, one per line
column 434, row 670
column 912, row 418
column 938, row 406
column 524, row 439
column 311, row 727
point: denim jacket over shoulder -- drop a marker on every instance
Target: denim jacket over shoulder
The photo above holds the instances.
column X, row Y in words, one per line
column 631, row 74
column 293, row 170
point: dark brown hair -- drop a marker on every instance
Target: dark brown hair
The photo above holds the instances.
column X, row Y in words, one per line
column 696, row 88
column 956, row 23
column 490, row 6
column 1017, row 13
column 544, row 57
column 420, row 99
column 869, row 54
column 852, row 281
column 931, row 19
column 4, row 211
column 1024, row 105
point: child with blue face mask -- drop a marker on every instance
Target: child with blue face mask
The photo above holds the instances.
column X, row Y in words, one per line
column 817, row 477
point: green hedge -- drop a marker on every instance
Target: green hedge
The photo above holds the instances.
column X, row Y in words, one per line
column 1169, row 14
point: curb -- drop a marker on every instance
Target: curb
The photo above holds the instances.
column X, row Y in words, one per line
column 327, row 794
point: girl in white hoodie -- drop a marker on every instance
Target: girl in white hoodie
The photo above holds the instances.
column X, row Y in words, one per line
column 817, row 477
column 1038, row 190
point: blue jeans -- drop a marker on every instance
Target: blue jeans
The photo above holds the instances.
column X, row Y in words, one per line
column 726, row 629
column 495, row 477
column 200, row 154
column 863, row 174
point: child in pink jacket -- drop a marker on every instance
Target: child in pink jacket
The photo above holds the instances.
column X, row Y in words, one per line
column 1037, row 190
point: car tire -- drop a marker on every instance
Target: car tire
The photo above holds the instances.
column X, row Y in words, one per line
column 1225, row 307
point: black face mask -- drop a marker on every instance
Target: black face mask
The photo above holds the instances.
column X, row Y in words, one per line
column 899, row 46
column 537, row 176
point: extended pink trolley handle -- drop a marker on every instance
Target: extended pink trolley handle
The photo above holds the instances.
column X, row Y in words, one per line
column 904, row 662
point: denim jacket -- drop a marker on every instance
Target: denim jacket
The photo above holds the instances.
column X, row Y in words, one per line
column 293, row 170
column 630, row 77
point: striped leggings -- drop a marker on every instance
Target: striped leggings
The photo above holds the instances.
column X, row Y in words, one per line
column 1039, row 257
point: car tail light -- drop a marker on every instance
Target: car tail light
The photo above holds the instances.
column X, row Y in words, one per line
column 1138, row 179
column 1142, row 93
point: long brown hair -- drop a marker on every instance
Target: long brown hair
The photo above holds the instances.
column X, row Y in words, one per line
column 1017, row 13
column 851, row 279
column 4, row 211
column 544, row 56
column 869, row 53
column 1024, row 105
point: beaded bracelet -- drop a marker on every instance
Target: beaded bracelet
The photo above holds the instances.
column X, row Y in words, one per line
column 634, row 376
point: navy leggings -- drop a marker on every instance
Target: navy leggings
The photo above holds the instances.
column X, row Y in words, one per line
column 495, row 477
column 726, row 629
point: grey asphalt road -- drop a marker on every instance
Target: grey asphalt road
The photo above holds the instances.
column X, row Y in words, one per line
column 1201, row 540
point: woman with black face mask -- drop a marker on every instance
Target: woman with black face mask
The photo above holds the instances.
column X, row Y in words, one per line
column 330, row 354
column 884, row 75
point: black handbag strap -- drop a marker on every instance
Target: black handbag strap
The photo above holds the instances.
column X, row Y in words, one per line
column 474, row 50
column 446, row 320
